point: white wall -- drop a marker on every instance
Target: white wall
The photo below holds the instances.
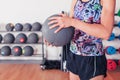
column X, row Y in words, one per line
column 30, row 10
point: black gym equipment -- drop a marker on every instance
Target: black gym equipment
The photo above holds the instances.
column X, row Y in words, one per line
column 51, row 64
column 27, row 27
column 16, row 51
column 5, row 51
column 9, row 27
column 33, row 38
column 18, row 27
column 9, row 38
column 28, row 51
column 57, row 64
column 1, row 38
column 36, row 26
column 21, row 38
column 61, row 38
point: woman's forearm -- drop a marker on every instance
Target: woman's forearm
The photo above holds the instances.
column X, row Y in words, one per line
column 97, row 30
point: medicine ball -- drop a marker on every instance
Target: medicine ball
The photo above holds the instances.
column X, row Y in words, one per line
column 1, row 38
column 21, row 38
column 9, row 38
column 111, row 64
column 36, row 26
column 5, row 51
column 16, row 51
column 9, row 27
column 27, row 27
column 61, row 38
column 33, row 38
column 18, row 27
column 28, row 51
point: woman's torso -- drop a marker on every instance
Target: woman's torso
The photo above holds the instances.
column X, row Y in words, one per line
column 82, row 43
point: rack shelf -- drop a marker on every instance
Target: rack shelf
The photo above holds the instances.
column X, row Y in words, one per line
column 39, row 49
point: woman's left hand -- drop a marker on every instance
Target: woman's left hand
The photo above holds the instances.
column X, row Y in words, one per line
column 63, row 21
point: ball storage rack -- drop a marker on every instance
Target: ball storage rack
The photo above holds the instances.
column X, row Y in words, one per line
column 39, row 48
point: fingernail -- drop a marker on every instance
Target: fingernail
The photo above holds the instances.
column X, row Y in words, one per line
column 55, row 32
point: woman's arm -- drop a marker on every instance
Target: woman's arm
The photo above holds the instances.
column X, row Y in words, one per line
column 104, row 29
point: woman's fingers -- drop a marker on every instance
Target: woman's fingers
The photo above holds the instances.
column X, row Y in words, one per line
column 54, row 18
column 53, row 26
column 59, row 28
column 52, row 22
column 46, row 43
column 62, row 15
column 57, row 21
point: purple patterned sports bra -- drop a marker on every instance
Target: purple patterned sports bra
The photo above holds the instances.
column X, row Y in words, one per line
column 82, row 43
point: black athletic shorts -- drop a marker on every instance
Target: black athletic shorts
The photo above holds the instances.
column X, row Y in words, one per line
column 86, row 67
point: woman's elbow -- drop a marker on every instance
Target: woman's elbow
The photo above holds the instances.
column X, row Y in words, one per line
column 107, row 36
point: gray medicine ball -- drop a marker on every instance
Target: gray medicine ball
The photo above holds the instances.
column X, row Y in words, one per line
column 36, row 26
column 18, row 27
column 1, row 38
column 9, row 38
column 27, row 27
column 9, row 27
column 33, row 38
column 5, row 51
column 28, row 51
column 21, row 38
column 61, row 38
column 16, row 51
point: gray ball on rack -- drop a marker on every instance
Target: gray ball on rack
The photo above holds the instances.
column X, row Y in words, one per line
column 27, row 27
column 36, row 26
column 33, row 38
column 16, row 51
column 9, row 27
column 9, row 38
column 5, row 51
column 28, row 51
column 18, row 27
column 1, row 38
column 21, row 38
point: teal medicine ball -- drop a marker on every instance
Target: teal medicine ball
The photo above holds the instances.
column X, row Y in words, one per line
column 60, row 38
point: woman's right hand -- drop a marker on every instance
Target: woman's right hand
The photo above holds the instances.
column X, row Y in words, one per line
column 47, row 43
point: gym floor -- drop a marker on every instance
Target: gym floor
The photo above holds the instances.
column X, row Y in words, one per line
column 34, row 72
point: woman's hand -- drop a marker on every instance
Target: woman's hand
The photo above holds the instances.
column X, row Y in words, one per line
column 47, row 43
column 63, row 21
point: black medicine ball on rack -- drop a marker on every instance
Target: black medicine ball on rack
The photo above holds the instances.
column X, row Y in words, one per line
column 9, row 38
column 28, row 51
column 36, row 26
column 16, row 51
column 18, row 27
column 1, row 38
column 9, row 27
column 27, row 27
column 5, row 51
column 33, row 38
column 21, row 38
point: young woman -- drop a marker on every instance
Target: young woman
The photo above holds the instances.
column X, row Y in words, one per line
column 93, row 21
